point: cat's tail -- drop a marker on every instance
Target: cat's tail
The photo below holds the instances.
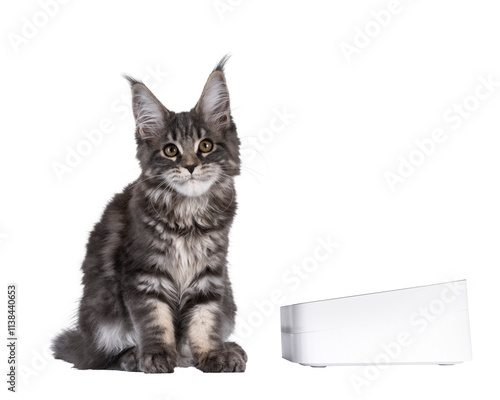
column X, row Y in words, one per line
column 68, row 346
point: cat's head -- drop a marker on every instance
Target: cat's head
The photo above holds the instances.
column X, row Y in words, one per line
column 189, row 151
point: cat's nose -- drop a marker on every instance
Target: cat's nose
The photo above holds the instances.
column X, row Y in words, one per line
column 190, row 168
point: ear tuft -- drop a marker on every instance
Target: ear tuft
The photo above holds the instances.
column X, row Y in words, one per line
column 149, row 113
column 222, row 63
column 131, row 80
column 214, row 106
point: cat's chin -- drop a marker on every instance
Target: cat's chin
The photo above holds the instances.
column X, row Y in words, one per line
column 193, row 187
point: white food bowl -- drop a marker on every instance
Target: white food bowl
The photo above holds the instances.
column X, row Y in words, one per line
column 420, row 325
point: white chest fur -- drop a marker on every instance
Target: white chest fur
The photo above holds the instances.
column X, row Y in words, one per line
column 184, row 258
column 188, row 256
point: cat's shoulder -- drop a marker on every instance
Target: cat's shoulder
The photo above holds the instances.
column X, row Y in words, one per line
column 118, row 204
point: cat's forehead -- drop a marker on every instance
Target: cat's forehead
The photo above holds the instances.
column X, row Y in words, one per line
column 185, row 127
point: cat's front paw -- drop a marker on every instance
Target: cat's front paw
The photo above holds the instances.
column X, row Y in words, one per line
column 158, row 362
column 222, row 361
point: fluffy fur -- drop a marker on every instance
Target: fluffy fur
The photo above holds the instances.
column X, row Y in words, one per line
column 156, row 288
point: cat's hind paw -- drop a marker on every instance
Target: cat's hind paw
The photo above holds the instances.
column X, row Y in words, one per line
column 128, row 360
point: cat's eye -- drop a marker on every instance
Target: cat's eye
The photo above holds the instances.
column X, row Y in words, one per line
column 170, row 150
column 206, row 146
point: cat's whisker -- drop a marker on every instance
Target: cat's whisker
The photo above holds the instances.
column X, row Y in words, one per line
column 147, row 178
column 161, row 194
column 252, row 174
column 233, row 192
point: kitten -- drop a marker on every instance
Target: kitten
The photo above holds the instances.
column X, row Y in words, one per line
column 156, row 288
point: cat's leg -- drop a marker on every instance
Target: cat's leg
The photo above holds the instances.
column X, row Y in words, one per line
column 103, row 326
column 154, row 323
column 207, row 330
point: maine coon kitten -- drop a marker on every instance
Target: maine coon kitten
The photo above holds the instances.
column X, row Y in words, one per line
column 156, row 288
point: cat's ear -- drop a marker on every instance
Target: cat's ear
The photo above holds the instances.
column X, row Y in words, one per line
column 149, row 113
column 213, row 105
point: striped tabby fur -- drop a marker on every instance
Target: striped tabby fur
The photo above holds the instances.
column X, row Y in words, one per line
column 156, row 288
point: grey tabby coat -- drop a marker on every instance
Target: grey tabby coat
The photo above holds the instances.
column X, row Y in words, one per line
column 156, row 288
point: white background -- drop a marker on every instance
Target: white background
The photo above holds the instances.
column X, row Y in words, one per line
column 321, row 174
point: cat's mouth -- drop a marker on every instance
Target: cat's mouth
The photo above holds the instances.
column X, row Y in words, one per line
column 192, row 179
